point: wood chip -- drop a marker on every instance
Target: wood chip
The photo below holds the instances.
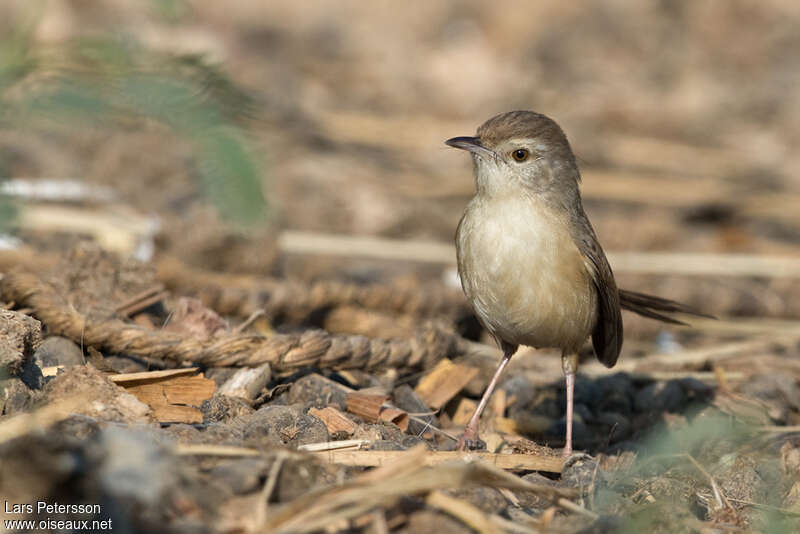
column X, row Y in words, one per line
column 247, row 382
column 125, row 379
column 371, row 408
column 173, row 397
column 336, row 421
column 528, row 462
column 366, row 406
column 52, row 370
column 396, row 416
column 444, row 382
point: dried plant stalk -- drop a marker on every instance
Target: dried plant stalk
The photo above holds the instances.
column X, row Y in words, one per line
column 406, row 475
column 550, row 463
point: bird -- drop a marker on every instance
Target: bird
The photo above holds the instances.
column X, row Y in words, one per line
column 529, row 260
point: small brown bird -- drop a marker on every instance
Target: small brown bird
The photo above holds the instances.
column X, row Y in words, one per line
column 529, row 261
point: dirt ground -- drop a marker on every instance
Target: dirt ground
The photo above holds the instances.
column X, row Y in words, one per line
column 182, row 373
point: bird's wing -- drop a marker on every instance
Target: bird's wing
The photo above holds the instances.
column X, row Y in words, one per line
column 607, row 334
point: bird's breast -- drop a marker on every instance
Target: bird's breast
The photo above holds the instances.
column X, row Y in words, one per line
column 525, row 277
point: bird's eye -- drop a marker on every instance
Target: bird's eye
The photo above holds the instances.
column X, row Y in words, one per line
column 520, row 154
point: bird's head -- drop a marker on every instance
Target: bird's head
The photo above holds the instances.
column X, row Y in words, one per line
column 520, row 149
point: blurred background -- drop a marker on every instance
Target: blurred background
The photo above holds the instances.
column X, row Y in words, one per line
column 294, row 145
column 158, row 127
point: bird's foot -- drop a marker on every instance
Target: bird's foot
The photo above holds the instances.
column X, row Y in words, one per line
column 470, row 441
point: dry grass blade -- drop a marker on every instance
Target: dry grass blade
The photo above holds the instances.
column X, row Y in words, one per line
column 191, row 449
column 269, row 487
column 406, row 476
column 473, row 517
column 532, row 462
column 784, row 511
column 333, row 445
column 142, row 301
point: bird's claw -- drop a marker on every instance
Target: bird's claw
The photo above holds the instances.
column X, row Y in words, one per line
column 470, row 441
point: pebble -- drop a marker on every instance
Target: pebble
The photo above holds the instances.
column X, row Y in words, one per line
column 662, row 396
column 282, row 425
column 581, row 435
column 242, row 475
column 32, row 375
column 522, row 389
column 15, row 397
column 529, row 499
column 103, row 399
column 136, row 467
column 299, row 476
column 316, row 391
column 221, row 408
column 614, row 394
column 57, row 350
column 406, row 398
column 780, row 392
column 579, row 471
column 614, row 425
column 608, row 524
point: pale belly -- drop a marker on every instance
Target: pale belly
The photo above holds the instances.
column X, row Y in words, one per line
column 524, row 275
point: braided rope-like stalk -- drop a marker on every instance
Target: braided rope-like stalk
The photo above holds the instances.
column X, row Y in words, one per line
column 242, row 295
column 285, row 352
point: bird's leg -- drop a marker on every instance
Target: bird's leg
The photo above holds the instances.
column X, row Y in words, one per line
column 469, row 439
column 569, row 364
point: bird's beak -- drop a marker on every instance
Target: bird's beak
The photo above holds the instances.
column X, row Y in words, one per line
column 471, row 144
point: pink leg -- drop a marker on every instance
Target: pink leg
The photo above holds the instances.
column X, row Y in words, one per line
column 470, row 436
column 569, row 364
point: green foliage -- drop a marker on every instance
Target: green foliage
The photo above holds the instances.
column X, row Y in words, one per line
column 107, row 81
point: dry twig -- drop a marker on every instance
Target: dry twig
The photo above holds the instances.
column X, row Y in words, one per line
column 407, row 475
column 531, row 462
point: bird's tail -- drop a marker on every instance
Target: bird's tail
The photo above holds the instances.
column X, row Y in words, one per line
column 656, row 307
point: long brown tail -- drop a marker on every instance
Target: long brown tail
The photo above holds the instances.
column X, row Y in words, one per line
column 655, row 307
